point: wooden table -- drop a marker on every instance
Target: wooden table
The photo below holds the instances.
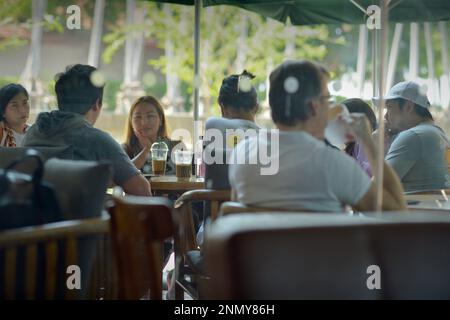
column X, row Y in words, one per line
column 428, row 202
column 171, row 184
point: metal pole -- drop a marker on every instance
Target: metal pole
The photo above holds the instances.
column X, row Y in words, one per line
column 380, row 157
column 196, row 58
column 374, row 62
column 197, row 82
column 362, row 58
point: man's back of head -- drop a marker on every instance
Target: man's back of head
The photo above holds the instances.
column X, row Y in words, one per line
column 293, row 85
column 75, row 91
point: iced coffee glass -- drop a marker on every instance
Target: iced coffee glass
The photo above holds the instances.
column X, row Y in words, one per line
column 159, row 152
column 183, row 164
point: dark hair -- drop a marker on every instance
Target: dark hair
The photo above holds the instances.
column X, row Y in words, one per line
column 230, row 95
column 419, row 110
column 356, row 105
column 289, row 108
column 7, row 93
column 74, row 89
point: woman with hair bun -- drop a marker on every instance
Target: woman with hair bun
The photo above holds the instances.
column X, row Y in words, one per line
column 239, row 104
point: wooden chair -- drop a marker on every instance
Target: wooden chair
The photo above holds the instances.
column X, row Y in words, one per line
column 35, row 260
column 327, row 256
column 139, row 226
column 185, row 246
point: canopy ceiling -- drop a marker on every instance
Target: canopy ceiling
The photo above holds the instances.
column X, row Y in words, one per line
column 306, row 12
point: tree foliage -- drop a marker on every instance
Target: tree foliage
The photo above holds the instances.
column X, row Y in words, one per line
column 223, row 37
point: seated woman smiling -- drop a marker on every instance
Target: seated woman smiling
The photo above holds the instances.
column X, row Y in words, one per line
column 146, row 125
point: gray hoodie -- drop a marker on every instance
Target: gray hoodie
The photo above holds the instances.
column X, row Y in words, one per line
column 60, row 128
column 55, row 128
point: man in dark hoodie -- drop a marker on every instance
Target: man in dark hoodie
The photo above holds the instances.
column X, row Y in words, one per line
column 80, row 104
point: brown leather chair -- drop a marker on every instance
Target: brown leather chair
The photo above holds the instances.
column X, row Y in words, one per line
column 80, row 186
column 35, row 260
column 310, row 256
column 8, row 155
column 139, row 226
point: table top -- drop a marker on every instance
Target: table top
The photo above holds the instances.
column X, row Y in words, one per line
column 428, row 202
column 172, row 183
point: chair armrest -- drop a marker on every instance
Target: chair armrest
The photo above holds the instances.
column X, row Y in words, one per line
column 231, row 207
column 202, row 195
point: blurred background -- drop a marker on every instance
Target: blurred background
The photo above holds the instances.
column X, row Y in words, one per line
column 143, row 47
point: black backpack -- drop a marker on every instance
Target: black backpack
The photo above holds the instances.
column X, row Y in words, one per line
column 26, row 200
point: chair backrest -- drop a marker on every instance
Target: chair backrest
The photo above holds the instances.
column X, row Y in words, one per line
column 8, row 155
column 139, row 226
column 80, row 186
column 276, row 256
column 216, row 174
column 35, row 261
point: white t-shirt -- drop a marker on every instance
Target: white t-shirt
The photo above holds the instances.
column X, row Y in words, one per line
column 310, row 176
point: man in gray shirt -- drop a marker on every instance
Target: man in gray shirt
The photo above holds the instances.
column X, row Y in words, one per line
column 80, row 104
column 418, row 152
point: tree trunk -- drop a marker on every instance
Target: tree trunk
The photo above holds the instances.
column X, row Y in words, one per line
column 289, row 48
column 96, row 34
column 172, row 97
column 433, row 87
column 362, row 58
column 414, row 51
column 134, row 44
column 445, row 86
column 394, row 55
column 30, row 75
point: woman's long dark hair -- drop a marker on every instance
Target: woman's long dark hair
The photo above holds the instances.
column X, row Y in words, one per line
column 131, row 141
column 357, row 105
column 7, row 93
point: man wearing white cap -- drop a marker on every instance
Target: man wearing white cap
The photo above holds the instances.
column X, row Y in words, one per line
column 418, row 152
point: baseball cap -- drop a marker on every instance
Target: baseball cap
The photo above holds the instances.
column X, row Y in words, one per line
column 407, row 90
